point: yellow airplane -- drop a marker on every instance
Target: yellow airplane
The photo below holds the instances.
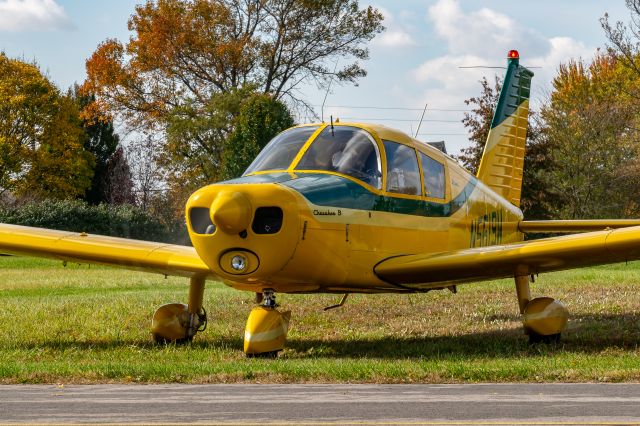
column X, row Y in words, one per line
column 357, row 208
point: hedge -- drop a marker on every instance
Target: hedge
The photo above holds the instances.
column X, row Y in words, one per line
column 125, row 220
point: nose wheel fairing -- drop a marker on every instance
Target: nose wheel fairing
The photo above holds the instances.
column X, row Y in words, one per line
column 266, row 330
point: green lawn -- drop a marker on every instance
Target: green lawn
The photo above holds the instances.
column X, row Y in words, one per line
column 81, row 324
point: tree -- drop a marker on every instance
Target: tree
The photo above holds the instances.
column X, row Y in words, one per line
column 148, row 177
column 624, row 40
column 478, row 122
column 183, row 52
column 119, row 188
column 260, row 119
column 194, row 146
column 100, row 140
column 41, row 140
column 189, row 65
column 590, row 122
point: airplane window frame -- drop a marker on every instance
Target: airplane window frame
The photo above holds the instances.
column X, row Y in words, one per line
column 372, row 179
column 388, row 171
column 422, row 156
column 270, row 151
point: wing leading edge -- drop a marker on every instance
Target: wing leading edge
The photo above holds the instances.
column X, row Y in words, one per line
column 529, row 257
column 561, row 226
column 138, row 255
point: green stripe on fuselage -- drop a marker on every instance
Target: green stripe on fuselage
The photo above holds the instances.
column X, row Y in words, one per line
column 329, row 190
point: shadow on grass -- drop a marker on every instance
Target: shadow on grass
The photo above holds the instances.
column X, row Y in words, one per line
column 586, row 334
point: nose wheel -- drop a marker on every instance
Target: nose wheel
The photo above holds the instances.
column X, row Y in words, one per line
column 266, row 330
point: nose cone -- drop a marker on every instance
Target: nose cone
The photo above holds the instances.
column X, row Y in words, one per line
column 231, row 212
column 248, row 259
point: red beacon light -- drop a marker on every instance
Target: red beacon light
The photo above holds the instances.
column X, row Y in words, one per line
column 513, row 54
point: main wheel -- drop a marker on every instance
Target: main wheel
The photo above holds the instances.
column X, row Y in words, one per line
column 170, row 324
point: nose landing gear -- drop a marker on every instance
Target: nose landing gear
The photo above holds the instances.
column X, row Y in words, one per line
column 177, row 322
column 266, row 330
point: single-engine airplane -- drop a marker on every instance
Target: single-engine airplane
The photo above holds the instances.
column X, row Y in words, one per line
column 357, row 208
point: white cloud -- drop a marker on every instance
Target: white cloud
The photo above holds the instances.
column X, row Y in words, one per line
column 395, row 38
column 483, row 32
column 396, row 34
column 482, row 38
column 32, row 15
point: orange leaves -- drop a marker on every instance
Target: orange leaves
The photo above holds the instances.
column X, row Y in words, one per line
column 105, row 66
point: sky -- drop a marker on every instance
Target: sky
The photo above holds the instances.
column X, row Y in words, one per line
column 415, row 62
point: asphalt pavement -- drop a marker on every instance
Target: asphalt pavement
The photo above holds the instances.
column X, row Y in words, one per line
column 321, row 404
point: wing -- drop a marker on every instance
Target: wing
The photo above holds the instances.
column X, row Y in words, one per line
column 146, row 256
column 560, row 226
column 529, row 257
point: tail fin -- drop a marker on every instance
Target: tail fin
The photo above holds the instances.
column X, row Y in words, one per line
column 503, row 157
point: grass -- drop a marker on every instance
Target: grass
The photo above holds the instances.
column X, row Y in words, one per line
column 81, row 324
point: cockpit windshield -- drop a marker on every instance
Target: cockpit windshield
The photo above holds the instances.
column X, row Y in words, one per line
column 281, row 150
column 347, row 150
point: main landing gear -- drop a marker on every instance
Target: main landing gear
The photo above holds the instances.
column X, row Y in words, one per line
column 264, row 336
column 266, row 330
column 544, row 318
column 177, row 322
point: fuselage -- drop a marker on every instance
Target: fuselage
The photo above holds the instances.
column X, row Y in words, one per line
column 322, row 205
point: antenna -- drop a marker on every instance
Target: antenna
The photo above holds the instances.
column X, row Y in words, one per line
column 420, row 123
column 491, row 68
column 327, row 92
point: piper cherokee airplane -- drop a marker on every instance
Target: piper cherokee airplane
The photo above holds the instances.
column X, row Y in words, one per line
column 357, row 208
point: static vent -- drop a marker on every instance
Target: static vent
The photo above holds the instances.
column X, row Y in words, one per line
column 268, row 220
column 201, row 221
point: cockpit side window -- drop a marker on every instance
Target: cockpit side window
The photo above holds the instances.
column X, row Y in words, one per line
column 403, row 174
column 433, row 172
column 281, row 150
column 347, row 150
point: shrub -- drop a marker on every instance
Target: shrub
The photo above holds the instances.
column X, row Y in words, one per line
column 125, row 220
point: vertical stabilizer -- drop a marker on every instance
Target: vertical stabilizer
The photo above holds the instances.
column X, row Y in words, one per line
column 503, row 157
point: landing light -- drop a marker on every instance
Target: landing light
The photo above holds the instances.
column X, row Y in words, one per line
column 238, row 262
column 513, row 54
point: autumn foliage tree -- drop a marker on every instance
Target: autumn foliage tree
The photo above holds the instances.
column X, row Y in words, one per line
column 189, row 65
column 41, row 139
column 591, row 122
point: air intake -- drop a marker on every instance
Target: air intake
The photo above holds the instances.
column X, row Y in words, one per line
column 201, row 221
column 267, row 220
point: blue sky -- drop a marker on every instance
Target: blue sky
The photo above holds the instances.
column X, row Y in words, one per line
column 416, row 61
